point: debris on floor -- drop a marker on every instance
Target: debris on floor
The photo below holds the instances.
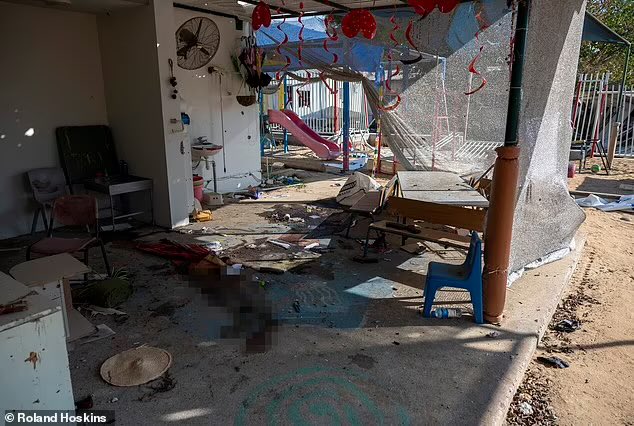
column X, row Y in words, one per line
column 102, row 332
column 202, row 216
column 11, row 308
column 214, row 246
column 164, row 384
column 85, row 403
column 175, row 251
column 280, row 244
column 526, row 409
column 553, row 362
column 414, row 248
column 297, row 214
column 532, row 392
column 568, row 326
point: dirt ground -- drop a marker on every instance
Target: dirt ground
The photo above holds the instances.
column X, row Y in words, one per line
column 598, row 386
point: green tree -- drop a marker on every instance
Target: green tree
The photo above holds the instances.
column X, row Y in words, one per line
column 601, row 57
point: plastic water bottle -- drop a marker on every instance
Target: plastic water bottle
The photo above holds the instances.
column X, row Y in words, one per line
column 445, row 313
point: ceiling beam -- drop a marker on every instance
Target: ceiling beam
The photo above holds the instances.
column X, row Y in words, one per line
column 333, row 4
column 203, row 10
column 275, row 8
column 402, row 5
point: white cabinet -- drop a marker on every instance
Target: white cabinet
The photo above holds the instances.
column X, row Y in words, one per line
column 34, row 372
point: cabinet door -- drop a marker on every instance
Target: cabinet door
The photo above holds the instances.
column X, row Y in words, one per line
column 34, row 366
column 179, row 174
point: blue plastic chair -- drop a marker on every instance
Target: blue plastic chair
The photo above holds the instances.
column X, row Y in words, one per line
column 467, row 276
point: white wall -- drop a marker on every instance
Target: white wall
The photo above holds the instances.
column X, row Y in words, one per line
column 178, row 154
column 132, row 82
column 50, row 76
column 201, row 93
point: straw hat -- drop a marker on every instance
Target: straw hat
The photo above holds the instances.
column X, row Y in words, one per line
column 136, row 366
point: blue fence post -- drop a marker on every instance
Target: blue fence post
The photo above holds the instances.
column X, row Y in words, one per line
column 284, row 107
column 346, row 126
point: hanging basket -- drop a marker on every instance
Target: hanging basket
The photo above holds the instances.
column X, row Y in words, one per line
column 246, row 100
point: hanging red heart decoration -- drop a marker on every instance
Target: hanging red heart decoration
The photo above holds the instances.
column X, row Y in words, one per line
column 447, row 6
column 261, row 16
column 368, row 24
column 349, row 25
column 359, row 20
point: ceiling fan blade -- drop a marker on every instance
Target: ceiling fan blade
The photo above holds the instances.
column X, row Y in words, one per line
column 200, row 24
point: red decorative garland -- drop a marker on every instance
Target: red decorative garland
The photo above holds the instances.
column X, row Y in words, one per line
column 388, row 81
column 279, row 46
column 472, row 66
column 331, row 32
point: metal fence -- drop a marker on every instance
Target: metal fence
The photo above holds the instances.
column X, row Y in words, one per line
column 321, row 105
column 594, row 113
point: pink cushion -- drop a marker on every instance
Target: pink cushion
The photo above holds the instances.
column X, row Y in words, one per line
column 55, row 245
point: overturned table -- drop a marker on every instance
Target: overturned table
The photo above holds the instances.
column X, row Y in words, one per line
column 439, row 199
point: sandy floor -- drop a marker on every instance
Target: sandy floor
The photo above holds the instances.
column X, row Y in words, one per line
column 598, row 387
column 622, row 174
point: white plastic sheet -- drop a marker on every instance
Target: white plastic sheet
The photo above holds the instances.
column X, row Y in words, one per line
column 625, row 203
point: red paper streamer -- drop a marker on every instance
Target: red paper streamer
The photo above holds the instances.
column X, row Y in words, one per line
column 279, row 46
column 393, row 106
column 388, row 81
column 408, row 34
column 301, row 32
column 472, row 66
column 473, row 70
column 331, row 32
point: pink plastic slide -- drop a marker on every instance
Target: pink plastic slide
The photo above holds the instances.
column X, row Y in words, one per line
column 325, row 149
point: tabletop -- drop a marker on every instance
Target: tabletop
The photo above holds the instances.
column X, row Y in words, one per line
column 439, row 188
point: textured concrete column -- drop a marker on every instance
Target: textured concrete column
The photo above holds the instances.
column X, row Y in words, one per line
column 499, row 231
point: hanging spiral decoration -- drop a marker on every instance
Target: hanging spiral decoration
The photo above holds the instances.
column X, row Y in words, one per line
column 331, row 34
column 483, row 25
column 388, row 81
column 300, row 46
column 278, row 49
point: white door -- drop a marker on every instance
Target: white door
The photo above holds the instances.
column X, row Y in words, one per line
column 179, row 175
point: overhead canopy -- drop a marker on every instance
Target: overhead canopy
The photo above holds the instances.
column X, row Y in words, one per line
column 356, row 54
column 242, row 9
column 595, row 30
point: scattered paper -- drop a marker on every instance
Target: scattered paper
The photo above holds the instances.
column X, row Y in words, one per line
column 280, row 244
